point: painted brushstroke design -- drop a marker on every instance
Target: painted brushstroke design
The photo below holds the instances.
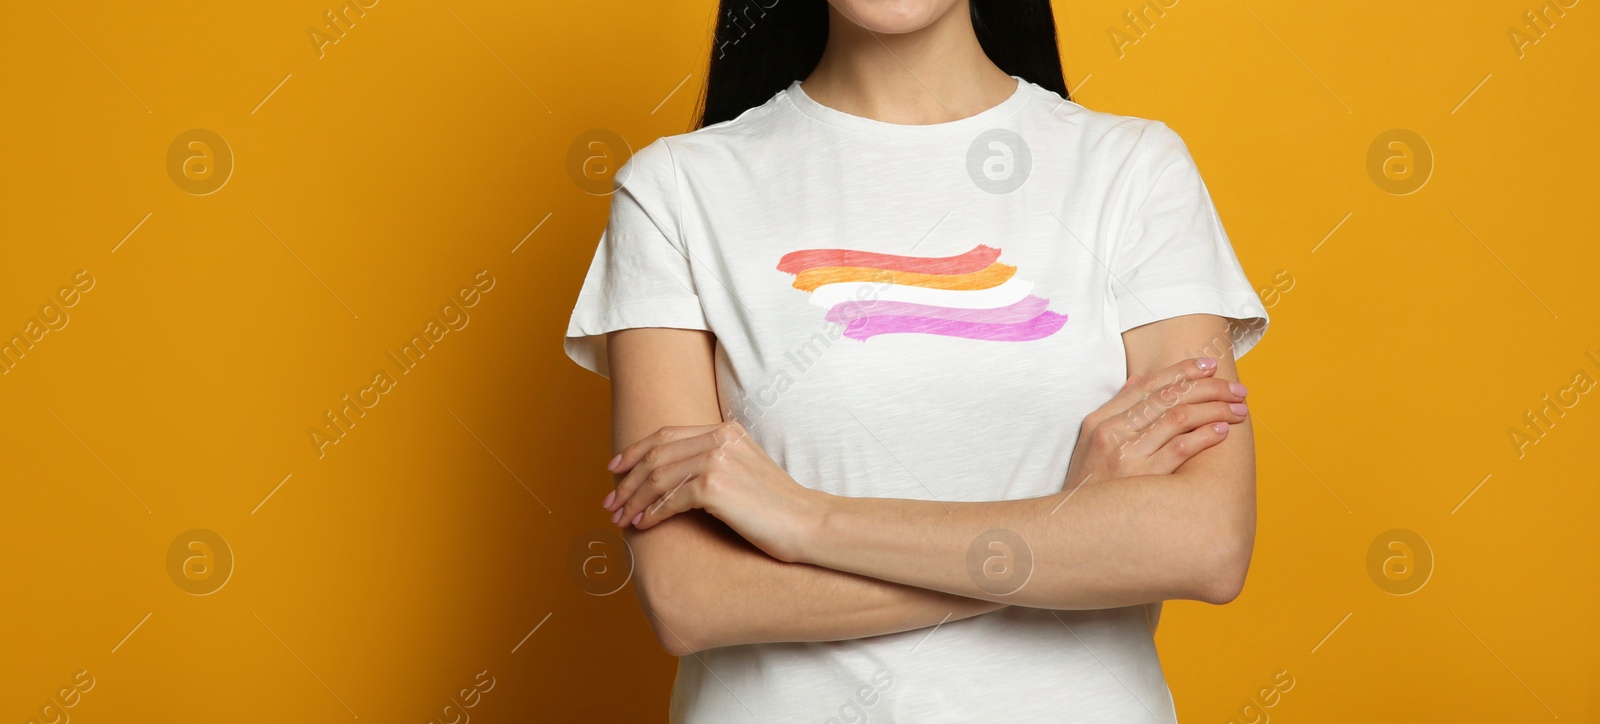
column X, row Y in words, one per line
column 990, row 276
column 798, row 261
column 970, row 295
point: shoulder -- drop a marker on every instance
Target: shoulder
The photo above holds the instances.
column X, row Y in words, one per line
column 1103, row 135
column 750, row 130
column 658, row 163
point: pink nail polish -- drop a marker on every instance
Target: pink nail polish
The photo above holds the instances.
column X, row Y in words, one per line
column 612, row 466
column 1221, row 428
column 637, row 517
column 1237, row 389
column 1205, row 363
column 616, row 518
column 1238, row 408
column 611, row 496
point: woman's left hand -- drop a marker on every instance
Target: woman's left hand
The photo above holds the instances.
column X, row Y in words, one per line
column 721, row 470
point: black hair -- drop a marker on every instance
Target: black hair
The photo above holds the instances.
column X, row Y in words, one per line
column 761, row 46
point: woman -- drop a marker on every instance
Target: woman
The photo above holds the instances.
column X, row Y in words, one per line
column 923, row 376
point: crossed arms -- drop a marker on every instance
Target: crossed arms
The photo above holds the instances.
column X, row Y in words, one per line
column 871, row 566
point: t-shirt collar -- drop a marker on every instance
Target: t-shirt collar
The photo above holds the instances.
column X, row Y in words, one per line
column 797, row 99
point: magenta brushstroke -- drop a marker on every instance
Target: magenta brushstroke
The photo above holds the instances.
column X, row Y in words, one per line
column 1021, row 310
column 1044, row 325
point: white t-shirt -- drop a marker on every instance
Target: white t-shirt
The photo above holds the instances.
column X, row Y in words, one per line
column 928, row 312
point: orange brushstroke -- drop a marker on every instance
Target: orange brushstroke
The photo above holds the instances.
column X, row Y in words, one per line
column 991, row 276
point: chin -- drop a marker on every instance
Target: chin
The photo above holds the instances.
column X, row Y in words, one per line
column 893, row 16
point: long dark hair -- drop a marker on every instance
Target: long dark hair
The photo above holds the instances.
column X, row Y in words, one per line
column 761, row 46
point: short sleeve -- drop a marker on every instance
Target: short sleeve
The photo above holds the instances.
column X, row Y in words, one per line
column 1174, row 258
column 640, row 275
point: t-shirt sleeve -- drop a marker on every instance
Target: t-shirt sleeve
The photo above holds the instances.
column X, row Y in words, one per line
column 641, row 274
column 1174, row 258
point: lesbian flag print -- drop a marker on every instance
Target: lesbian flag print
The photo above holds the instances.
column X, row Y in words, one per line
column 969, row 295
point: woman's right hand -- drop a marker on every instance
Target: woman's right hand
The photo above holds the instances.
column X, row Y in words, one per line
column 1156, row 423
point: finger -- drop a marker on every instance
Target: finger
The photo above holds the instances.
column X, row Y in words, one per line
column 671, row 499
column 666, row 481
column 1209, row 389
column 1186, row 382
column 1185, row 446
column 1140, row 387
column 656, row 457
column 632, row 454
column 1183, row 419
column 686, row 496
column 1187, row 392
column 718, row 435
column 1193, row 368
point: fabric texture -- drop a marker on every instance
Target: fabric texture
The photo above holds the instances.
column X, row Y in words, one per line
column 922, row 312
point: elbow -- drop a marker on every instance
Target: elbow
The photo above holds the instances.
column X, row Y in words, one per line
column 673, row 632
column 1224, row 583
column 681, row 584
column 1224, row 546
column 676, row 635
column 670, row 640
column 1224, row 567
column 672, row 617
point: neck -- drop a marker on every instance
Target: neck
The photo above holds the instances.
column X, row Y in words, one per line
column 933, row 75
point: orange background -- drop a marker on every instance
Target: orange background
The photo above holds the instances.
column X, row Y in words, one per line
column 445, row 534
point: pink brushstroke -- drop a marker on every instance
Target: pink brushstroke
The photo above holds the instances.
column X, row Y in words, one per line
column 1021, row 310
column 1043, row 325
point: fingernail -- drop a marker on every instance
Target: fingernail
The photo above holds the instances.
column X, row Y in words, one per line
column 637, row 518
column 1205, row 363
column 1221, row 428
column 1238, row 408
column 609, row 497
column 1237, row 389
column 616, row 517
column 612, row 466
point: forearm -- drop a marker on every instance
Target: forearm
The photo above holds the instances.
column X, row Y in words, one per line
column 704, row 587
column 1108, row 544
